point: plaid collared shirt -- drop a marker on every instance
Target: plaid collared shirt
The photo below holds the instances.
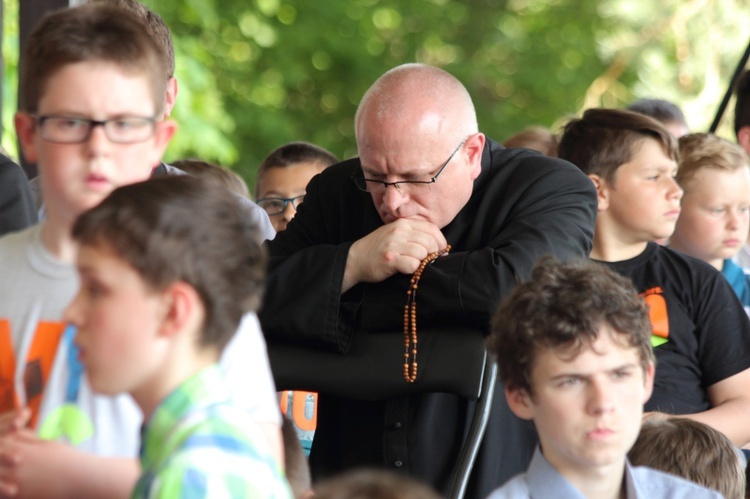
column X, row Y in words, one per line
column 197, row 444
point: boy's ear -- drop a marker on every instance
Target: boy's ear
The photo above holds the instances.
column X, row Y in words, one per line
column 171, row 98
column 602, row 191
column 25, row 127
column 183, row 310
column 163, row 133
column 519, row 402
column 743, row 138
column 648, row 380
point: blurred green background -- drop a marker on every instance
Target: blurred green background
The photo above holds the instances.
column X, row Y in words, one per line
column 255, row 74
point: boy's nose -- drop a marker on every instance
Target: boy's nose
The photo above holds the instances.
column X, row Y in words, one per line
column 97, row 140
column 675, row 191
column 600, row 399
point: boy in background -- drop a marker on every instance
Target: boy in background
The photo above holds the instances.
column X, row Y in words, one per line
column 161, row 295
column 663, row 111
column 283, row 177
column 280, row 188
column 701, row 335
column 692, row 450
column 572, row 346
column 715, row 216
column 215, row 174
column 91, row 118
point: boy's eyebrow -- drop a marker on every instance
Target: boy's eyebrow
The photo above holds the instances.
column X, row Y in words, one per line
column 579, row 374
column 76, row 114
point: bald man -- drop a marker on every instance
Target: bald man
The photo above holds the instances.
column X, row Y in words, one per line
column 425, row 178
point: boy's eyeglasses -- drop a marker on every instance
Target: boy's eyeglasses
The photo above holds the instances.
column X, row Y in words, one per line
column 404, row 186
column 276, row 206
column 69, row 130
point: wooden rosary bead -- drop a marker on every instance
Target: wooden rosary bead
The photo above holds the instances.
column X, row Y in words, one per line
column 410, row 317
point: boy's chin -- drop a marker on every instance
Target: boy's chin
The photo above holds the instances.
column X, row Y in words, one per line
column 103, row 387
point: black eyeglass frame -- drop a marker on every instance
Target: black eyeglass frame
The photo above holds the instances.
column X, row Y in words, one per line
column 41, row 119
column 295, row 201
column 361, row 182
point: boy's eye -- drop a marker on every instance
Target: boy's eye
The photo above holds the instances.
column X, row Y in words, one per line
column 125, row 124
column 571, row 381
column 93, row 290
column 620, row 374
column 66, row 123
column 273, row 204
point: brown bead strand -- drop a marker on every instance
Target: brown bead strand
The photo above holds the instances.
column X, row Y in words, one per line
column 410, row 318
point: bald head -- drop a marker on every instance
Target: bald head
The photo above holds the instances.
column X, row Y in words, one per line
column 416, row 99
column 415, row 123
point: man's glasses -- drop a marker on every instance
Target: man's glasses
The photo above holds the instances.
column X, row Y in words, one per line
column 404, row 186
column 68, row 130
column 276, row 206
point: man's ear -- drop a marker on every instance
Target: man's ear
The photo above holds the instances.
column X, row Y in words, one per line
column 25, row 128
column 474, row 150
column 519, row 402
column 183, row 310
column 602, row 191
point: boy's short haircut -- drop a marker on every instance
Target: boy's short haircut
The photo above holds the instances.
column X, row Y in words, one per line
column 691, row 450
column 155, row 25
column 92, row 32
column 295, row 462
column 294, row 153
column 563, row 307
column 179, row 228
column 537, row 138
column 704, row 150
column 297, row 152
column 742, row 105
column 604, row 139
column 373, row 484
column 216, row 174
column 659, row 109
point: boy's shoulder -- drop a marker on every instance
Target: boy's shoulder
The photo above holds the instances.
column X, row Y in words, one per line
column 658, row 484
column 13, row 241
column 25, row 258
column 657, row 260
column 214, row 446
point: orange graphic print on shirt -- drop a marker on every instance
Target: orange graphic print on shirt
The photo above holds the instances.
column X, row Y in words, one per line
column 657, row 312
column 36, row 368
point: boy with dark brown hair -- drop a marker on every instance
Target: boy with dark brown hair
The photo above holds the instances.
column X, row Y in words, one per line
column 161, row 296
column 572, row 346
column 92, row 119
column 701, row 335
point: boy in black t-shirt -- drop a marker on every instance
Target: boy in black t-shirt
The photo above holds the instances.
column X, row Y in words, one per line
column 701, row 335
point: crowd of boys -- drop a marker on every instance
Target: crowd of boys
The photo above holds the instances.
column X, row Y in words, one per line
column 132, row 361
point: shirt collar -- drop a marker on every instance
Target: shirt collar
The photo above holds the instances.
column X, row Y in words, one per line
column 546, row 481
column 199, row 391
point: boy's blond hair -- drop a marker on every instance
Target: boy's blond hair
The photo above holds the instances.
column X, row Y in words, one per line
column 704, row 150
column 691, row 450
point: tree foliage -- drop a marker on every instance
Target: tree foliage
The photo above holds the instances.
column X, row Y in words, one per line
column 255, row 74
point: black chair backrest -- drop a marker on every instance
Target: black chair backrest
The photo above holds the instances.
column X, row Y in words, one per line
column 453, row 362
